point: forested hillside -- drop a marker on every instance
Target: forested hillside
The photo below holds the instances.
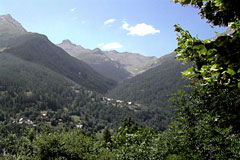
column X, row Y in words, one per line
column 38, row 49
column 153, row 87
column 33, row 92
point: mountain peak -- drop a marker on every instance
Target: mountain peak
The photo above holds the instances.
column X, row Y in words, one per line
column 6, row 16
column 97, row 50
column 67, row 41
column 68, row 45
column 9, row 25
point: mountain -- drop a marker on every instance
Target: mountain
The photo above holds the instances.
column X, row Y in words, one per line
column 97, row 60
column 111, row 64
column 8, row 25
column 165, row 58
column 9, row 28
column 41, row 85
column 154, row 86
column 34, row 95
column 38, row 49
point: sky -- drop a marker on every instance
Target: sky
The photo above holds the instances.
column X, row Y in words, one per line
column 138, row 26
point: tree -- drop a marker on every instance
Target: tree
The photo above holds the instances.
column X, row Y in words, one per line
column 216, row 61
column 207, row 126
column 217, row 12
column 107, row 136
column 134, row 142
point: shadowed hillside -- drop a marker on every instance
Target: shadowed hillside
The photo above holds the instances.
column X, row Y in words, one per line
column 154, row 86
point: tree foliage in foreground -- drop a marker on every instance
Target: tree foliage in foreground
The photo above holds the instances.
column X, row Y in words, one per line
column 216, row 61
column 70, row 145
column 207, row 126
column 217, row 12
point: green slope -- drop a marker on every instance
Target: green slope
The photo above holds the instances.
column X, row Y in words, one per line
column 27, row 90
column 38, row 49
column 154, row 86
column 111, row 70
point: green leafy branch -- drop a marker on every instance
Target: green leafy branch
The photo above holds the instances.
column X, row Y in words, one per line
column 215, row 61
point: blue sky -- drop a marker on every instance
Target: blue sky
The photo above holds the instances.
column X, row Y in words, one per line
column 139, row 26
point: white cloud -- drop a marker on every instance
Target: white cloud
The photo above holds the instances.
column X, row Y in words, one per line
column 111, row 46
column 109, row 21
column 100, row 44
column 141, row 29
column 73, row 9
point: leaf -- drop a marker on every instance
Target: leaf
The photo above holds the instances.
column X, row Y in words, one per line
column 214, row 67
column 238, row 71
column 207, row 79
column 231, row 71
column 203, row 51
column 239, row 85
column 211, row 51
column 188, row 72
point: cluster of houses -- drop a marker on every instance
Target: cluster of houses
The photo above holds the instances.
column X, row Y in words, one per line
column 29, row 122
column 117, row 101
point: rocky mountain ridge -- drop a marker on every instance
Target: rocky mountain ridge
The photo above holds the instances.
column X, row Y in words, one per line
column 10, row 25
column 38, row 49
column 125, row 63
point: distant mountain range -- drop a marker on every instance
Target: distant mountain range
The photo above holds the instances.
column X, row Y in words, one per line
column 37, row 77
column 38, row 49
column 112, row 64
